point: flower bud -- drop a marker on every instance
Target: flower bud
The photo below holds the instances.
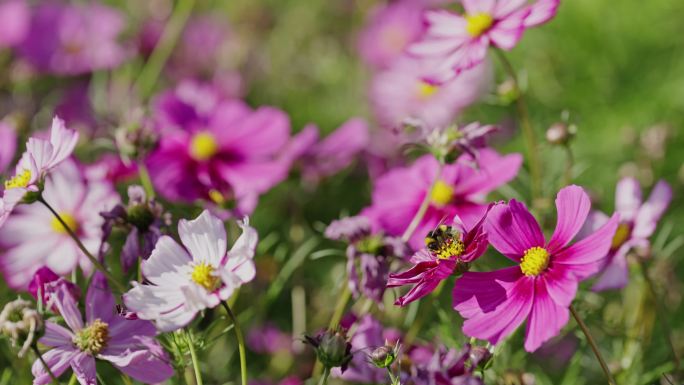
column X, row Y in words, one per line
column 384, row 356
column 560, row 133
column 20, row 322
column 480, row 356
column 332, row 348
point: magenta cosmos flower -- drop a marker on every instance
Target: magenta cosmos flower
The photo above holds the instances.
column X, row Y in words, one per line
column 15, row 18
column 400, row 93
column 79, row 202
column 460, row 42
column 450, row 250
column 389, row 31
column 217, row 150
column 73, row 39
column 460, row 190
column 542, row 285
column 184, row 281
column 638, row 221
column 40, row 157
column 129, row 345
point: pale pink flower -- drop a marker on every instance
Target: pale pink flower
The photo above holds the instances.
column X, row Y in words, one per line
column 186, row 280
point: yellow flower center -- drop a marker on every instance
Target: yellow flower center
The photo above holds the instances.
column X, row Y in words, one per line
column 426, row 90
column 68, row 219
column 22, row 179
column 621, row 235
column 478, row 23
column 203, row 146
column 441, row 194
column 535, row 261
column 203, row 275
column 92, row 338
column 217, row 197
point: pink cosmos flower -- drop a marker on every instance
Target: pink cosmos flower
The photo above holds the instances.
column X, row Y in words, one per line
column 15, row 18
column 543, row 284
column 79, row 203
column 8, row 145
column 390, row 29
column 217, row 150
column 450, row 250
column 184, row 281
column 73, row 39
column 459, row 190
column 400, row 93
column 129, row 345
column 45, row 284
column 319, row 159
column 40, row 157
column 460, row 42
column 638, row 221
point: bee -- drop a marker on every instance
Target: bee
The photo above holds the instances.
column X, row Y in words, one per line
column 444, row 242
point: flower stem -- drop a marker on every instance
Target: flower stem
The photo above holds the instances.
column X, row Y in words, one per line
column 340, row 306
column 241, row 342
column 569, row 162
column 593, row 345
column 418, row 217
column 324, row 378
column 661, row 310
column 145, row 180
column 193, row 357
column 526, row 125
column 99, row 266
column 150, row 73
column 73, row 380
column 45, row 365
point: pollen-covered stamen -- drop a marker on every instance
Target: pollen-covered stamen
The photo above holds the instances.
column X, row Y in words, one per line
column 68, row 219
column 478, row 23
column 203, row 146
column 22, row 179
column 425, row 90
column 444, row 242
column 534, row 261
column 92, row 338
column 203, row 275
column 442, row 193
column 621, row 236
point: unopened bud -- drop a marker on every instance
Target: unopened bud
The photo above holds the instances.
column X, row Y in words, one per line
column 560, row 133
column 332, row 348
column 384, row 356
column 480, row 356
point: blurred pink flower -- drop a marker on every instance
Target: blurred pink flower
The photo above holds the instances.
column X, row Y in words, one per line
column 460, row 42
column 129, row 345
column 8, row 145
column 460, row 190
column 79, row 203
column 184, row 281
column 449, row 251
column 400, row 93
column 40, row 157
column 389, row 30
column 15, row 19
column 269, row 339
column 217, row 150
column 638, row 221
column 73, row 39
column 544, row 283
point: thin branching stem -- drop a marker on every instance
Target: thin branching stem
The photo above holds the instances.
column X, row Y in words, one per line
column 594, row 347
column 241, row 343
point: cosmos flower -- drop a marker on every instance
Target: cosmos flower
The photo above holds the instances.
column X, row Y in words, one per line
column 186, row 280
column 40, row 157
column 450, row 250
column 217, row 150
column 46, row 283
column 638, row 221
column 389, row 30
column 129, row 345
column 459, row 190
column 542, row 285
column 15, row 18
column 78, row 201
column 400, row 93
column 319, row 159
column 73, row 39
column 368, row 255
column 460, row 42
column 8, row 145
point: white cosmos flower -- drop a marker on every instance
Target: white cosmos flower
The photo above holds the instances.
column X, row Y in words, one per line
column 185, row 280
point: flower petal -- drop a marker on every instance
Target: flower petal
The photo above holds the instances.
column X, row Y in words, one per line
column 84, row 368
column 482, row 292
column 572, row 205
column 167, row 257
column 546, row 320
column 615, row 275
column 205, row 238
column 56, row 336
column 627, row 198
column 650, row 212
column 512, row 229
column 57, row 359
column 99, row 300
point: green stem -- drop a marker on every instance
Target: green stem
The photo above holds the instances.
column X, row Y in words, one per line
column 99, row 266
column 593, row 346
column 324, row 378
column 45, row 365
column 241, row 343
column 569, row 162
column 193, row 357
column 418, row 217
column 340, row 307
column 150, row 73
column 526, row 125
column 661, row 311
column 145, row 180
column 73, row 380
